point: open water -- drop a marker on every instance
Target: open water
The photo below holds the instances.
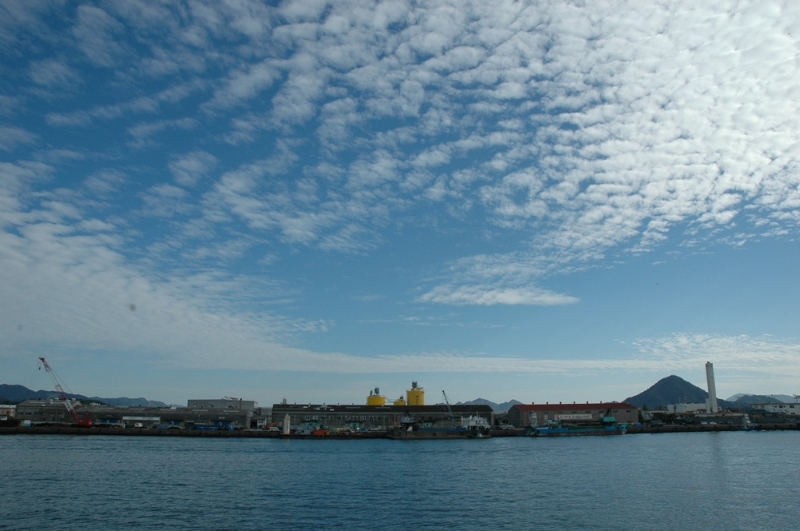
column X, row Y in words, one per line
column 696, row 481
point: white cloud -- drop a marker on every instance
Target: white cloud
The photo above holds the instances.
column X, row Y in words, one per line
column 96, row 33
column 55, row 156
column 16, row 182
column 491, row 295
column 143, row 104
column 104, row 184
column 11, row 137
column 190, row 168
column 624, row 121
column 245, row 84
column 142, row 132
column 165, row 200
column 743, row 353
column 53, row 73
column 563, row 134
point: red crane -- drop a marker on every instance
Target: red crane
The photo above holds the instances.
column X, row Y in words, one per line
column 80, row 421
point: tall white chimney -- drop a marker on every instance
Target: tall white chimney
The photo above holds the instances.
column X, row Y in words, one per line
column 712, row 388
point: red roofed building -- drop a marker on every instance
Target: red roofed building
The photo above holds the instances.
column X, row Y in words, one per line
column 524, row 415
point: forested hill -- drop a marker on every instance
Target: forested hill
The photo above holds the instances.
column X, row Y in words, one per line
column 672, row 390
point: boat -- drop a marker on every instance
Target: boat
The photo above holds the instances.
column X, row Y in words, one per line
column 477, row 425
column 473, row 427
column 556, row 428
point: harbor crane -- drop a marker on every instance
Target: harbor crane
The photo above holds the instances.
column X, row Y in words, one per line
column 450, row 410
column 80, row 421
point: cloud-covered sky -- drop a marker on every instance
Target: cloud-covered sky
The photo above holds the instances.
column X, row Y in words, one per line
column 305, row 200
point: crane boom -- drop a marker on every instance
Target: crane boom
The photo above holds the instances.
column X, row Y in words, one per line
column 450, row 410
column 63, row 395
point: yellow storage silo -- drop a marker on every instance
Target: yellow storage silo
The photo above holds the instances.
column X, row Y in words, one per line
column 375, row 398
column 399, row 402
column 416, row 395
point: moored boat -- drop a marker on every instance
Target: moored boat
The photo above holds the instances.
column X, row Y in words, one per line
column 556, row 428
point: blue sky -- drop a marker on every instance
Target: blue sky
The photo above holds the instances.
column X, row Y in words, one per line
column 305, row 200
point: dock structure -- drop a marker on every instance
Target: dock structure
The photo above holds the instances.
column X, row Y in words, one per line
column 372, row 418
column 199, row 414
column 533, row 415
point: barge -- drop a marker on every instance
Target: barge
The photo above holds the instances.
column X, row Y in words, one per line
column 556, row 428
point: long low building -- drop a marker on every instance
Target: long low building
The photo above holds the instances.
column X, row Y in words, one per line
column 203, row 413
column 532, row 415
column 222, row 403
column 364, row 417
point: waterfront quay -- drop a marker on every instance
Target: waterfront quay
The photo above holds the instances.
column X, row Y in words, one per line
column 378, row 418
column 245, row 434
column 266, row 434
column 697, row 428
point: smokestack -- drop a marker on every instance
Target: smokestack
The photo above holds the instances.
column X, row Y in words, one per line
column 712, row 388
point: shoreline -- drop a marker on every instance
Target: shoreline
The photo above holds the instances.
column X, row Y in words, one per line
column 258, row 434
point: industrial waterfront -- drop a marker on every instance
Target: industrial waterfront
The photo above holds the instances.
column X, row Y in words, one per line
column 408, row 416
column 229, row 463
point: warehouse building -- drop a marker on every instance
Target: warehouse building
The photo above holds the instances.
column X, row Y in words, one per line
column 45, row 411
column 532, row 415
column 8, row 411
column 208, row 414
column 365, row 417
column 222, row 403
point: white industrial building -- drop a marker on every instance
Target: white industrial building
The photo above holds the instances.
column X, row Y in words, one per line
column 780, row 408
column 222, row 403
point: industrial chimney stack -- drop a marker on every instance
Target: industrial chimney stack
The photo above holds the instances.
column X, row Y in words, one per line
column 712, row 388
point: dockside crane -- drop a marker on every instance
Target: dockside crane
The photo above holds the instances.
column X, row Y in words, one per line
column 80, row 421
column 450, row 410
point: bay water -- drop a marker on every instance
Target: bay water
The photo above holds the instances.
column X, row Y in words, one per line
column 682, row 481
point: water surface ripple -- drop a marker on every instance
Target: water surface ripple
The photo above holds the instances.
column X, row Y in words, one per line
column 692, row 481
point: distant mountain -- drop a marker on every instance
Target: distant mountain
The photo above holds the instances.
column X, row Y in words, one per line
column 125, row 401
column 18, row 393
column 763, row 399
column 497, row 408
column 785, row 398
column 670, row 390
column 675, row 390
column 749, row 400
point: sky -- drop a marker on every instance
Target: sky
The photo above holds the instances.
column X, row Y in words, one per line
column 540, row 201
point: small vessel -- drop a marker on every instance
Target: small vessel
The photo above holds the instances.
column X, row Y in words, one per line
column 477, row 425
column 556, row 428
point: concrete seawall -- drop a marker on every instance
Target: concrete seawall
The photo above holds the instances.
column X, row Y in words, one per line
column 260, row 434
column 692, row 428
column 145, row 432
column 251, row 434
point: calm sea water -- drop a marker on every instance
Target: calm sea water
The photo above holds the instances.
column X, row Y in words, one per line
column 698, row 481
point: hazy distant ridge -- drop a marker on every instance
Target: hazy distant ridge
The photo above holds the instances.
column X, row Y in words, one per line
column 669, row 390
column 497, row 408
column 18, row 393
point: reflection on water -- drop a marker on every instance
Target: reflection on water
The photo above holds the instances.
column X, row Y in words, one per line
column 697, row 481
